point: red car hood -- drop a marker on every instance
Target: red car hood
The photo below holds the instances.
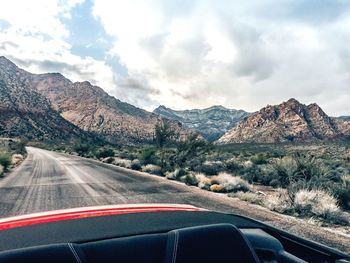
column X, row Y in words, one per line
column 93, row 211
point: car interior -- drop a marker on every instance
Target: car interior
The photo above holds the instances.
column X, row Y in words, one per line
column 174, row 237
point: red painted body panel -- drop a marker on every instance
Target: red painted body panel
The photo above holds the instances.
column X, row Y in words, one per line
column 75, row 213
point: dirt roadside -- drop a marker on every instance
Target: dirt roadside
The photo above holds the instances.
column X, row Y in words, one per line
column 300, row 227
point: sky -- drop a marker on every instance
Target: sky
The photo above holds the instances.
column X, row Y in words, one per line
column 188, row 54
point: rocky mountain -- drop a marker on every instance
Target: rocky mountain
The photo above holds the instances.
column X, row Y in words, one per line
column 85, row 106
column 288, row 121
column 212, row 122
column 344, row 118
column 25, row 113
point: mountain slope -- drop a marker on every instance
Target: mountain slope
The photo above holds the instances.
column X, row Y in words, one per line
column 25, row 113
column 212, row 122
column 288, row 121
column 343, row 118
column 89, row 107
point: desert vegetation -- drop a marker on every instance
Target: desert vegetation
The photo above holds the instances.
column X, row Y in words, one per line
column 12, row 152
column 309, row 180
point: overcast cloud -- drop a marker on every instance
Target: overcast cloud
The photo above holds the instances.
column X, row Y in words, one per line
column 189, row 54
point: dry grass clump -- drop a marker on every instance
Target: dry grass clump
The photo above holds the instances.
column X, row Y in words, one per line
column 316, row 202
column 217, row 188
column 203, row 181
column 16, row 158
column 193, row 178
column 223, row 182
column 122, row 162
column 152, row 169
column 175, row 174
column 231, row 183
column 278, row 202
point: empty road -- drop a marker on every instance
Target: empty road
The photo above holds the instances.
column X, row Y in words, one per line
column 49, row 180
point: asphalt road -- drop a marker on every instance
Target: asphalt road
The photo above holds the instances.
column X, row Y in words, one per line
column 49, row 180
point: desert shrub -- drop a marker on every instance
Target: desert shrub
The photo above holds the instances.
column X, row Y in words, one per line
column 268, row 176
column 285, row 168
column 232, row 165
column 122, row 162
column 1, row 170
column 194, row 164
column 318, row 203
column 278, row 202
column 203, row 181
column 81, row 148
column 136, row 165
column 198, row 179
column 275, row 183
column 252, row 174
column 104, row 153
column 148, row 156
column 170, row 175
column 212, row 168
column 128, row 153
column 342, row 193
column 248, row 164
column 217, row 188
column 152, row 169
column 16, row 158
column 308, row 168
column 5, row 160
column 231, row 183
column 259, row 158
column 192, row 178
column 19, row 147
column 175, row 174
column 108, row 160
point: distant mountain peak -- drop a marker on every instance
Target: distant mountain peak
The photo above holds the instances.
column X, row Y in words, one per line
column 211, row 122
column 288, row 121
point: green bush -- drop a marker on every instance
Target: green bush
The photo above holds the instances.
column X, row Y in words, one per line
column 109, row 160
column 211, row 168
column 189, row 179
column 148, row 156
column 136, row 165
column 5, row 160
column 104, row 153
column 81, row 148
column 342, row 193
column 259, row 158
column 19, row 147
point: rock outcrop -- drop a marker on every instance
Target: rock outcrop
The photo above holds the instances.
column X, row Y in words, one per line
column 288, row 121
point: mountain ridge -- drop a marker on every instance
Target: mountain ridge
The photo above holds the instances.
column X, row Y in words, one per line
column 288, row 121
column 86, row 106
column 211, row 122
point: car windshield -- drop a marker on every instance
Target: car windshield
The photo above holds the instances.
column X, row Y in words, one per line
column 231, row 106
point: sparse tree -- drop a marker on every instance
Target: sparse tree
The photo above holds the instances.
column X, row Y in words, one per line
column 191, row 147
column 164, row 135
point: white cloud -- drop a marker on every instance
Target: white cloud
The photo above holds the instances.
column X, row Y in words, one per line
column 36, row 39
column 231, row 53
column 193, row 54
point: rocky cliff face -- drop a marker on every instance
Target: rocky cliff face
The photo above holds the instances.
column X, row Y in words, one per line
column 25, row 113
column 288, row 121
column 212, row 122
column 93, row 110
column 84, row 105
